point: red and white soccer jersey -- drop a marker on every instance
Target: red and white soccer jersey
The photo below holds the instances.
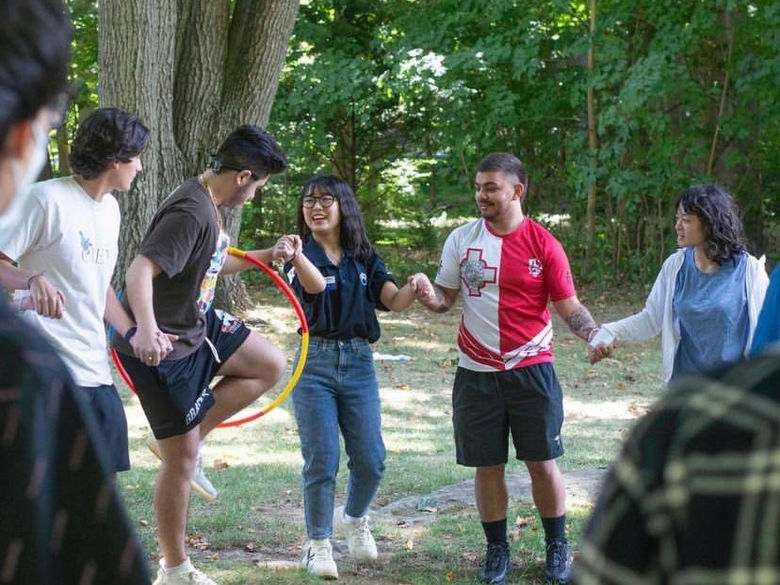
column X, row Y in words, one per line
column 505, row 283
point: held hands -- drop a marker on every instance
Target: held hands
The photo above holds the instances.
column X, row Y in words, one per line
column 45, row 300
column 151, row 345
column 422, row 287
column 287, row 248
column 601, row 345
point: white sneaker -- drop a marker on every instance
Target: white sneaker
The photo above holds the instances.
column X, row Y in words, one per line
column 200, row 483
column 318, row 559
column 360, row 541
column 184, row 575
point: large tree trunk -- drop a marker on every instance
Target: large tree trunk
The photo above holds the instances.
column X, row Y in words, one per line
column 192, row 71
column 135, row 61
column 257, row 45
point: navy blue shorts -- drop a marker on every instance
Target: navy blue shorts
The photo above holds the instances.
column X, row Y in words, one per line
column 175, row 395
column 110, row 414
column 487, row 406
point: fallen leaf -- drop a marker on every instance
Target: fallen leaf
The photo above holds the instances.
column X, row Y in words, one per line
column 520, row 522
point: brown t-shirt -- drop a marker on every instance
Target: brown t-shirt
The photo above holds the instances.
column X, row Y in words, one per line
column 185, row 241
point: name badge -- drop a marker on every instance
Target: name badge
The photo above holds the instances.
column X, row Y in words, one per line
column 330, row 282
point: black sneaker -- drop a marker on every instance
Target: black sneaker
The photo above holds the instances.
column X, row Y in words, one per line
column 557, row 568
column 496, row 563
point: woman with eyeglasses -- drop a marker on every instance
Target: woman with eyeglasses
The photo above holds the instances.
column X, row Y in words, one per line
column 338, row 389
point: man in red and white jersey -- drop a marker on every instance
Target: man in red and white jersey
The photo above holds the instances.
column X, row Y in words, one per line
column 506, row 267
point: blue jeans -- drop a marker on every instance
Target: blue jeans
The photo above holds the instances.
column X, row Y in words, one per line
column 338, row 390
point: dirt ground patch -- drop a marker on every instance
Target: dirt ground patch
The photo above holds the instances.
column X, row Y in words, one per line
column 412, row 514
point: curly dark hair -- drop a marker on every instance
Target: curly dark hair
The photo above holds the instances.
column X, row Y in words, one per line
column 352, row 229
column 720, row 217
column 105, row 136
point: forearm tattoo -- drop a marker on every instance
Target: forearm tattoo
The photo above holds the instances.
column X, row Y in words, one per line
column 581, row 323
column 441, row 302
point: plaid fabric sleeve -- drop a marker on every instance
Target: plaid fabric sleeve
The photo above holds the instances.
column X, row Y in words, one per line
column 694, row 496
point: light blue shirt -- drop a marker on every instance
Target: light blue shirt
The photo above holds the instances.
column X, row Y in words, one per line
column 712, row 313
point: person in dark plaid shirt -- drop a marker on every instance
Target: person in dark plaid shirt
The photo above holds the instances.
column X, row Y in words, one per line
column 694, row 497
column 61, row 522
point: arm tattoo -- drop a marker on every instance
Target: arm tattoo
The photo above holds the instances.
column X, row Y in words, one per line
column 441, row 302
column 581, row 323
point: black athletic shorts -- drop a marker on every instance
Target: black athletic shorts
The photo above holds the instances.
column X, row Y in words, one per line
column 486, row 406
column 175, row 395
column 110, row 414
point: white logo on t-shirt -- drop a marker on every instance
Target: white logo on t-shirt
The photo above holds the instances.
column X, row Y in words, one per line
column 90, row 253
column 534, row 267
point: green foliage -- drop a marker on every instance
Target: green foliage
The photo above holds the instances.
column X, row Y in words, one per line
column 402, row 98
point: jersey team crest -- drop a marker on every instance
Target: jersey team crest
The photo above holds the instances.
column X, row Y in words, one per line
column 534, row 267
column 476, row 273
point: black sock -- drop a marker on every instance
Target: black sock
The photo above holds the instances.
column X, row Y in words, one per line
column 554, row 527
column 495, row 531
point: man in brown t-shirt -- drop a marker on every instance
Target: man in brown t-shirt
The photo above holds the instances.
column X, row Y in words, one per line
column 170, row 287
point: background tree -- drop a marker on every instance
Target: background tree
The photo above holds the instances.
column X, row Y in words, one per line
column 402, row 98
column 192, row 71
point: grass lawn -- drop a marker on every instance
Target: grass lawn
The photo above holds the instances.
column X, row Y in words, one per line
column 254, row 531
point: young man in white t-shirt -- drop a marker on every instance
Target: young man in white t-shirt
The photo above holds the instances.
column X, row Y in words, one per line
column 506, row 268
column 65, row 246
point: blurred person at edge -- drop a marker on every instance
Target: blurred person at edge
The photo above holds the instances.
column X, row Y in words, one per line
column 63, row 523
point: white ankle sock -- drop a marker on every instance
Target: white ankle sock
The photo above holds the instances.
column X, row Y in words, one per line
column 182, row 568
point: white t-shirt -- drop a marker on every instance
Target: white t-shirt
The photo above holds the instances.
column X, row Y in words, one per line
column 73, row 240
column 505, row 282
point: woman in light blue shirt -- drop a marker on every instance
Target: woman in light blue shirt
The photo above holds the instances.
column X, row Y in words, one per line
column 706, row 299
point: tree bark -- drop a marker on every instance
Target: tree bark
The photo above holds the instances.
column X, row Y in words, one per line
column 259, row 33
column 593, row 146
column 729, row 24
column 192, row 71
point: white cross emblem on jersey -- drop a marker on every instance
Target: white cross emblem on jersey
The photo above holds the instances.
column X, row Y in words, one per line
column 475, row 272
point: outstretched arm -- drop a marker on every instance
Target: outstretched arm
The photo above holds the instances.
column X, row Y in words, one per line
column 576, row 316
column 581, row 323
column 435, row 297
column 310, row 277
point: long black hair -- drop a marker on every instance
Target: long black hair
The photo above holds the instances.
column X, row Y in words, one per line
column 352, row 230
column 720, row 218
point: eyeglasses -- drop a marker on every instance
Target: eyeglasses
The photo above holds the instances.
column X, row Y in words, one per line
column 324, row 200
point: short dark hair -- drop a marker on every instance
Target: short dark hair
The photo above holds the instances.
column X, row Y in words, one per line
column 251, row 148
column 105, row 136
column 34, row 58
column 352, row 230
column 506, row 163
column 720, row 217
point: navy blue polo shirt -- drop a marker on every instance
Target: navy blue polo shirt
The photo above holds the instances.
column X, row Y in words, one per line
column 346, row 308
